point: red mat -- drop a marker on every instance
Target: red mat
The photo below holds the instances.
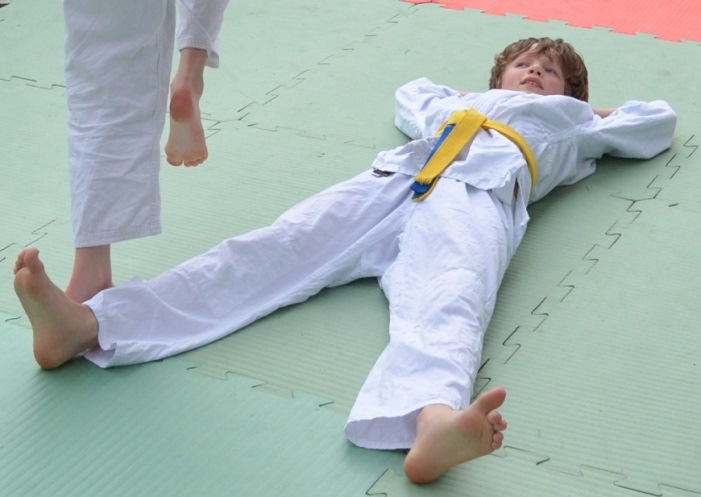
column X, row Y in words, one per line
column 671, row 20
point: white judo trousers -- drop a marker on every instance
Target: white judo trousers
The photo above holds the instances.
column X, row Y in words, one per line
column 439, row 262
column 118, row 66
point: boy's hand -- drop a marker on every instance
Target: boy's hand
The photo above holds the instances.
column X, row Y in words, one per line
column 603, row 111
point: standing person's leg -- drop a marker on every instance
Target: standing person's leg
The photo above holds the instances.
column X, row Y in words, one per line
column 442, row 291
column 118, row 60
column 198, row 42
column 347, row 232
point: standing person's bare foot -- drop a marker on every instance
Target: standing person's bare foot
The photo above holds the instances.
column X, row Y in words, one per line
column 186, row 141
column 446, row 438
column 92, row 273
column 62, row 328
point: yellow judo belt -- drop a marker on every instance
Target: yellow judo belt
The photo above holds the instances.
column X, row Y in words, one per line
column 455, row 134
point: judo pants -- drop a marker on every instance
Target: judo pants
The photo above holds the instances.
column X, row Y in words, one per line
column 439, row 263
column 118, row 65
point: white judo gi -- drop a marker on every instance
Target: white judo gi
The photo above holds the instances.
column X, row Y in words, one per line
column 439, row 262
column 118, row 65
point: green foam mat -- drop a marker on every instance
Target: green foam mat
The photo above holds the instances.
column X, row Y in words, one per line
column 593, row 336
column 161, row 430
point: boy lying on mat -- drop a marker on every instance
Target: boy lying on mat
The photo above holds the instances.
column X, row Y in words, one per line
column 436, row 221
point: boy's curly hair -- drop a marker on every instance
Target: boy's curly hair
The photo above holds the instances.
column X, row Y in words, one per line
column 573, row 67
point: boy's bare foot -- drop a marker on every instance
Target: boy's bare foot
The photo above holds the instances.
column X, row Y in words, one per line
column 446, row 438
column 186, row 141
column 62, row 328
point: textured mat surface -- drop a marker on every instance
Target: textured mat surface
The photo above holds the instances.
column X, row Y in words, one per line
column 595, row 334
column 161, row 430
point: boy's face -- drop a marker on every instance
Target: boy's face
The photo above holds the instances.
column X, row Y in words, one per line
column 534, row 73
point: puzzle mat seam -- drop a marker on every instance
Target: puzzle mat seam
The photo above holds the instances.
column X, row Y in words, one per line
column 679, row 157
column 459, row 5
column 539, row 313
column 577, row 482
column 8, row 253
column 611, row 235
column 247, row 113
column 565, row 286
column 632, row 207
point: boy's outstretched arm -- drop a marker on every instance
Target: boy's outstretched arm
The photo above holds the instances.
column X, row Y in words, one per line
column 634, row 130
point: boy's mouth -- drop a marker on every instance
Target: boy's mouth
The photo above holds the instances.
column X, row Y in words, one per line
column 535, row 82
